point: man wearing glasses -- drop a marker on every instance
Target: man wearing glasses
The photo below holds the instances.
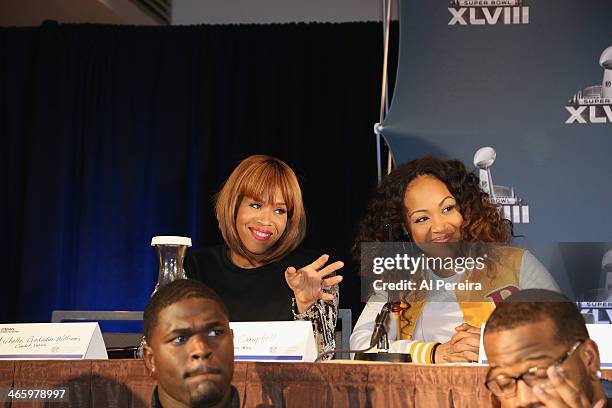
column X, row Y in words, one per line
column 541, row 355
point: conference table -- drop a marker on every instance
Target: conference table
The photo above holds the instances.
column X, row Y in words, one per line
column 126, row 383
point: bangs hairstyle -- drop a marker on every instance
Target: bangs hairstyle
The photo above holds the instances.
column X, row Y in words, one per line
column 260, row 177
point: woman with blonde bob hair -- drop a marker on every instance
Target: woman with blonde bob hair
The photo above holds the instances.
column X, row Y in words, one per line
column 261, row 272
column 259, row 177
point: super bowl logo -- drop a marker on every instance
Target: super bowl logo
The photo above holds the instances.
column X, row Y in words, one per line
column 593, row 104
column 488, row 12
column 601, row 311
column 513, row 207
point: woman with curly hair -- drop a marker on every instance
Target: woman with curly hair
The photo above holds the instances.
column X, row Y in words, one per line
column 437, row 204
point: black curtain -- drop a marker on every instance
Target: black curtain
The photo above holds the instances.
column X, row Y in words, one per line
column 111, row 135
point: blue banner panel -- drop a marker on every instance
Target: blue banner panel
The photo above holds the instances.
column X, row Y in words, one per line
column 521, row 92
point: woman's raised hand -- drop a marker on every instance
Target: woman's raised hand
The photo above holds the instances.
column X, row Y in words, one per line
column 307, row 283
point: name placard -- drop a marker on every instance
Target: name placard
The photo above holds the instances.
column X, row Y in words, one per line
column 599, row 333
column 51, row 341
column 274, row 341
column 602, row 335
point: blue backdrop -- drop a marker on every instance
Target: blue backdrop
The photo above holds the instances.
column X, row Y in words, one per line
column 523, row 77
column 110, row 135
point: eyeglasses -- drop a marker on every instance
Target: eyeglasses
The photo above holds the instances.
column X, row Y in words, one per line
column 505, row 386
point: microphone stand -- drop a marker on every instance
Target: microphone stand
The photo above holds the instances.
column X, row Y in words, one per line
column 383, row 352
column 379, row 339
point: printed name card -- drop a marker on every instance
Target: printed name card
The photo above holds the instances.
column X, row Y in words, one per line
column 600, row 333
column 51, row 341
column 482, row 357
column 274, row 341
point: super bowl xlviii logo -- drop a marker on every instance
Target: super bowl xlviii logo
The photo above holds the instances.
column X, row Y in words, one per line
column 593, row 104
column 488, row 12
column 513, row 207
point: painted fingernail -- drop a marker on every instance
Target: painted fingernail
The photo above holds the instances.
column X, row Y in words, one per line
column 560, row 371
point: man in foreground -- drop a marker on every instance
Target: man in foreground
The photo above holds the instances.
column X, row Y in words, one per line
column 190, row 349
column 541, row 355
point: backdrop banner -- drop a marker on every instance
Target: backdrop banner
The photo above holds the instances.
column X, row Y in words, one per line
column 521, row 92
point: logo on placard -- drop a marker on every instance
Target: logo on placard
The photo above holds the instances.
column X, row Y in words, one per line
column 5, row 330
column 593, row 104
column 488, row 12
column 513, row 207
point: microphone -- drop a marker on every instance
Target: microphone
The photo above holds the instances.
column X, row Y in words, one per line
column 389, row 229
column 379, row 332
column 379, row 338
column 379, row 326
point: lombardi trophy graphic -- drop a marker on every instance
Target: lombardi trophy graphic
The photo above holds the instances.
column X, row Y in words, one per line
column 597, row 303
column 484, row 159
column 606, row 63
column 597, row 95
column 513, row 207
column 606, row 268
